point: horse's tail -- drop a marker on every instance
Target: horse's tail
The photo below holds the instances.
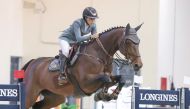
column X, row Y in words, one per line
column 26, row 65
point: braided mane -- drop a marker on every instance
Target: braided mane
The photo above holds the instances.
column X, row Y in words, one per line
column 110, row 29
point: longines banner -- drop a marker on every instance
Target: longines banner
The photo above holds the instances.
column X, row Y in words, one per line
column 187, row 97
column 9, row 92
column 160, row 97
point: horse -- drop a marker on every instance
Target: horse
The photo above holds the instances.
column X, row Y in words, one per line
column 91, row 71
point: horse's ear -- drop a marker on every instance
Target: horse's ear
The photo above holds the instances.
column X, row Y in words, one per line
column 138, row 27
column 127, row 27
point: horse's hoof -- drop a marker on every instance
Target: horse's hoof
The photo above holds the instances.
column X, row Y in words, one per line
column 105, row 97
column 114, row 97
column 96, row 98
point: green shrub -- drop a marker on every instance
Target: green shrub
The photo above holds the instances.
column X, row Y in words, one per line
column 64, row 106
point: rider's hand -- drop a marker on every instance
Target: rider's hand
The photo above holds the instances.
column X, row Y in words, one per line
column 94, row 36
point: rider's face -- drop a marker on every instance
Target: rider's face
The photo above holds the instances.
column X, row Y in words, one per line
column 90, row 21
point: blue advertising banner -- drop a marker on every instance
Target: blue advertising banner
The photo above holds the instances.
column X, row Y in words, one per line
column 9, row 92
column 187, row 98
column 156, row 97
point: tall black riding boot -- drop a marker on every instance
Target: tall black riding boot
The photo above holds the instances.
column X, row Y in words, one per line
column 62, row 79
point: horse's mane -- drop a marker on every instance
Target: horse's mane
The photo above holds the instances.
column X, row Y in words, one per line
column 100, row 34
column 110, row 29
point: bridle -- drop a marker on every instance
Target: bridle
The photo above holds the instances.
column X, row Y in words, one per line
column 123, row 42
column 128, row 55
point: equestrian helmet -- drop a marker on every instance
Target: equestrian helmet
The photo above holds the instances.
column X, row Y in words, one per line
column 90, row 12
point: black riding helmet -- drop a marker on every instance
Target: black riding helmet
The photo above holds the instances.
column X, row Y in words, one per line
column 89, row 12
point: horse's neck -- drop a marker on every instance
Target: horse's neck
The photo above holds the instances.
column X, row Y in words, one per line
column 111, row 40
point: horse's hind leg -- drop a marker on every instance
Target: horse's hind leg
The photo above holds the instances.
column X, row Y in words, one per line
column 50, row 100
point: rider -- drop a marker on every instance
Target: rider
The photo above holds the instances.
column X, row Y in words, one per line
column 80, row 30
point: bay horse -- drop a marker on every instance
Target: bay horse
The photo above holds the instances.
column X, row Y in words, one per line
column 91, row 71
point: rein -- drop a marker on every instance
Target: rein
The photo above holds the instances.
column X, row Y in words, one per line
column 102, row 47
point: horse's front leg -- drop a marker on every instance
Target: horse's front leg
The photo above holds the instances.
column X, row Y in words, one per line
column 104, row 95
column 116, row 92
column 121, row 82
column 114, row 80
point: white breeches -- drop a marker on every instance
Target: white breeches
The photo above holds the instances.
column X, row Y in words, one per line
column 65, row 47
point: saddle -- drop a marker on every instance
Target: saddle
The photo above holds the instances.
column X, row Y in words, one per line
column 73, row 55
